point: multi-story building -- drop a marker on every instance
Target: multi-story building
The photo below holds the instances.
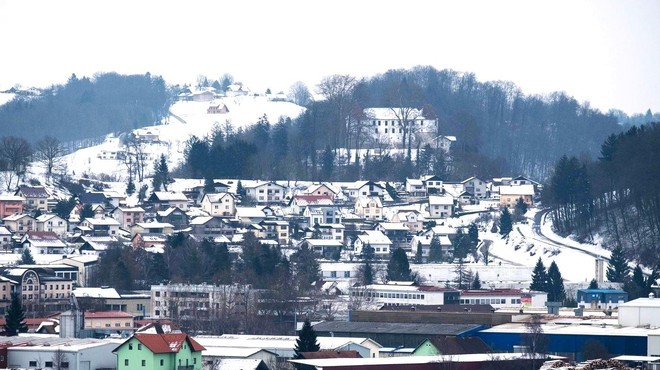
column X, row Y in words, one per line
column 175, row 351
column 39, row 288
column 108, row 320
column 128, row 216
column 219, row 205
column 52, row 223
column 20, row 224
column 441, row 206
column 10, row 205
column 504, row 298
column 387, row 126
column 36, row 197
column 406, row 293
column 264, row 192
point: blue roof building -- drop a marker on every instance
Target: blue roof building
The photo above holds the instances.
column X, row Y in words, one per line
column 601, row 298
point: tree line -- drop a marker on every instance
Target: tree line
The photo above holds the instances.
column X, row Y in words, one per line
column 88, row 107
column 615, row 195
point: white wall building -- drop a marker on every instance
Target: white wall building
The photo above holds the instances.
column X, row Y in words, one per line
column 73, row 354
column 640, row 312
column 399, row 293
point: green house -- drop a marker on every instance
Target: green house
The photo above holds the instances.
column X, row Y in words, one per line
column 159, row 352
column 451, row 345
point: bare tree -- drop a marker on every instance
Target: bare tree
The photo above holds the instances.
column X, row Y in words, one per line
column 15, row 155
column 404, row 98
column 299, row 93
column 49, row 152
column 535, row 341
column 338, row 90
column 59, row 357
column 136, row 156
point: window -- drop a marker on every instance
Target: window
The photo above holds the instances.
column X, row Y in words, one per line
column 157, row 294
column 130, row 346
column 140, row 347
column 144, row 362
column 161, row 362
column 347, row 274
column 32, row 363
column 49, row 364
column 65, row 364
column 126, row 362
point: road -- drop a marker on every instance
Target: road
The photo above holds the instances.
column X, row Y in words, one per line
column 536, row 228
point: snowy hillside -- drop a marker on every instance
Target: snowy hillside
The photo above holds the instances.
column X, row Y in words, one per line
column 188, row 118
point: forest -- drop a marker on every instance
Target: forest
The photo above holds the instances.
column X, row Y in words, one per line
column 85, row 108
column 616, row 195
column 500, row 131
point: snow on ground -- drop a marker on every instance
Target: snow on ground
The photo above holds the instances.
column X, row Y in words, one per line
column 546, row 229
column 189, row 118
column 6, row 97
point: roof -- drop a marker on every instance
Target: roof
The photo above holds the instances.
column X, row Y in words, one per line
column 249, row 212
column 390, row 113
column 517, row 190
column 441, row 200
column 102, row 221
column 33, row 191
column 11, row 198
column 165, row 343
column 216, row 197
column 238, row 363
column 323, row 242
column 451, row 308
column 392, row 328
column 200, row 220
column 642, row 302
column 599, row 327
column 305, row 199
column 107, row 315
column 374, row 237
column 165, row 196
column 42, row 236
column 233, row 352
column 330, row 354
column 16, row 217
column 154, row 225
column 393, row 226
column 602, row 291
column 92, row 198
column 46, row 217
column 106, row 293
column 459, row 345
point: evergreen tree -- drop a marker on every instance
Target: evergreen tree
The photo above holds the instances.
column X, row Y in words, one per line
column 556, row 292
column 368, row 252
column 26, row 257
column 476, row 283
column 87, row 212
column 617, row 268
column 435, row 250
column 209, row 185
column 398, row 268
column 130, row 187
column 366, row 273
column 306, row 342
column 161, row 174
column 473, row 233
column 240, row 190
column 461, row 244
column 593, row 284
column 539, row 277
column 520, row 209
column 506, row 224
column 327, row 164
column 63, row 208
column 15, row 317
column 418, row 253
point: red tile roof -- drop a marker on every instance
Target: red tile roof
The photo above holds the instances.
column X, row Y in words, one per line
column 167, row 343
column 42, row 235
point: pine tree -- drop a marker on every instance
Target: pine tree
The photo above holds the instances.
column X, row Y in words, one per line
column 87, row 212
column 15, row 317
column 327, row 163
column 368, row 252
column 461, row 244
column 418, row 253
column 476, row 283
column 26, row 257
column 556, row 292
column 539, row 278
column 367, row 273
column 473, row 233
column 130, row 187
column 435, row 250
column 240, row 190
column 398, row 268
column 307, row 341
column 617, row 268
column 520, row 209
column 593, row 284
column 506, row 224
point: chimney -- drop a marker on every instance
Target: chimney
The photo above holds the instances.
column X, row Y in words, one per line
column 651, row 295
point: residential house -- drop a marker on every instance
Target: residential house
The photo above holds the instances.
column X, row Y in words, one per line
column 151, row 242
column 298, row 203
column 476, row 187
column 152, row 228
column 128, row 216
column 387, row 125
column 44, row 242
column 323, row 189
column 451, row 346
column 415, row 187
column 174, row 351
column 99, row 226
column 250, row 215
column 326, row 248
column 411, row 218
column 275, row 230
column 163, row 200
column 52, row 222
column 94, row 245
column 397, row 233
column 20, row 224
column 6, row 241
column 509, row 195
column 94, row 199
column 446, row 247
column 207, row 226
column 317, row 214
column 380, row 243
column 433, row 184
column 219, row 205
column 369, row 208
column 147, row 135
column 330, row 231
column 36, row 197
column 365, row 189
column 11, row 205
column 522, row 180
column 441, row 206
column 114, row 198
column 217, row 108
column 174, row 216
column 264, row 192
column 445, row 143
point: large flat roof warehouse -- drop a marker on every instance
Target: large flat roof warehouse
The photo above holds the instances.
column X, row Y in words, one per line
column 393, row 328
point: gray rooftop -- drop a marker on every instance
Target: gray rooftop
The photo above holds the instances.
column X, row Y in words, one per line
column 392, row 328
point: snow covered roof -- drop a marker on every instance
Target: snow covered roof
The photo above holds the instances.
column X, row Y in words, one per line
column 165, row 196
column 106, row 221
column 517, row 190
column 200, row 220
column 393, row 226
column 235, row 363
column 323, row 242
column 374, row 237
column 155, row 225
column 11, row 198
column 391, row 113
column 440, row 200
column 249, row 212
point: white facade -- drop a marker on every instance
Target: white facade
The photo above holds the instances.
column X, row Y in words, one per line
column 89, row 354
column 504, row 298
column 476, row 186
column 387, row 126
column 441, row 206
column 222, row 204
column 640, row 312
column 53, row 223
column 265, row 192
column 402, row 293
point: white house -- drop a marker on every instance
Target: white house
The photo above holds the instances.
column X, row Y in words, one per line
column 476, row 186
column 264, row 192
column 411, row 218
column 433, row 184
column 441, row 206
column 377, row 240
column 164, row 200
column 369, row 208
column 43, row 242
column 415, row 187
column 101, row 226
column 365, row 189
column 509, row 195
column 128, row 216
column 52, row 222
column 387, row 125
column 221, row 204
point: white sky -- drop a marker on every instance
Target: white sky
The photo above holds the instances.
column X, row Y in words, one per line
column 606, row 52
